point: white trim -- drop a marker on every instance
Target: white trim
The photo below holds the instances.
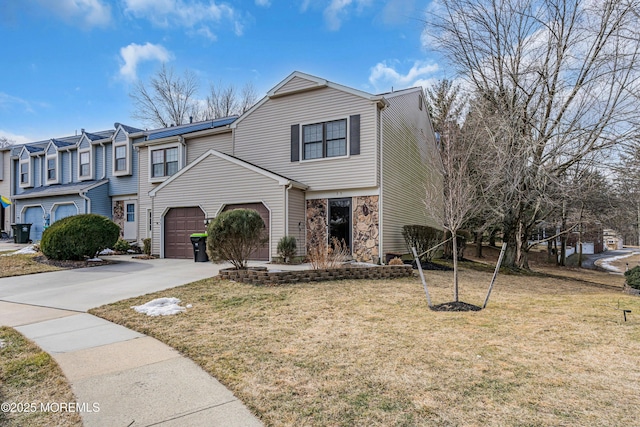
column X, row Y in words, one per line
column 337, row 194
column 29, row 164
column 81, row 151
column 127, row 170
column 25, row 207
column 347, row 119
column 279, row 179
column 151, row 149
column 56, row 205
column 266, row 205
column 57, row 169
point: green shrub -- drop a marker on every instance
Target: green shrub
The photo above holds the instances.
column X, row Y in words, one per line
column 78, row 237
column 146, row 246
column 287, row 248
column 632, row 277
column 121, row 245
column 233, row 235
column 422, row 238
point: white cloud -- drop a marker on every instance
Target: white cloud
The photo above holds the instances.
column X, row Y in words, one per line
column 384, row 76
column 135, row 53
column 92, row 13
column 186, row 13
column 339, row 10
column 18, row 139
column 263, row 3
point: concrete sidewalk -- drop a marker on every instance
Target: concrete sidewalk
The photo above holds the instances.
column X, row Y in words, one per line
column 131, row 379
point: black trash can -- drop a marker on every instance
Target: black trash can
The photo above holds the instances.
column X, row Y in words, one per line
column 199, row 242
column 21, row 232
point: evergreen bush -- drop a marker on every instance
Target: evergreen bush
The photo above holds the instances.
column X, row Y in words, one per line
column 422, row 238
column 78, row 237
column 233, row 235
column 632, row 277
column 287, row 248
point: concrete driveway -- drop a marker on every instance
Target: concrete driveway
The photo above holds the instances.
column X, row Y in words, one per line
column 85, row 288
column 133, row 379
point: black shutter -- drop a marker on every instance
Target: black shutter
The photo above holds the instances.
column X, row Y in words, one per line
column 295, row 143
column 354, row 134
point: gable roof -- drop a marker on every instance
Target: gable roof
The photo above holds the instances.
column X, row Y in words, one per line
column 127, row 129
column 61, row 144
column 304, row 83
column 282, row 180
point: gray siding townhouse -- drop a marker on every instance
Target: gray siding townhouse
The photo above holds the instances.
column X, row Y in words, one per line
column 313, row 157
column 85, row 173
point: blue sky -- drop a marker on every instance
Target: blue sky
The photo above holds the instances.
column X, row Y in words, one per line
column 70, row 64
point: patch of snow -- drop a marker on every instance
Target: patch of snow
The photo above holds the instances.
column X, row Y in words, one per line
column 131, row 251
column 107, row 252
column 26, row 250
column 2, row 343
column 606, row 262
column 189, row 306
column 160, row 307
column 94, row 260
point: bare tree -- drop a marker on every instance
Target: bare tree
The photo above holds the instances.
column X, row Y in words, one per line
column 224, row 101
column 168, row 99
column 460, row 200
column 557, row 79
column 6, row 142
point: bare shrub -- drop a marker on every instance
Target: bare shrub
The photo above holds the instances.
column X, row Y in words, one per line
column 328, row 256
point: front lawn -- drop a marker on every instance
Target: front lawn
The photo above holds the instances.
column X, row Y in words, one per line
column 547, row 351
column 19, row 265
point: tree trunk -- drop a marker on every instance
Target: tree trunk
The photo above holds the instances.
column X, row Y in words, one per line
column 455, row 269
column 479, row 244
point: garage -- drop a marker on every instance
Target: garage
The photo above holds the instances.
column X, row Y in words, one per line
column 35, row 216
column 179, row 224
column 63, row 211
column 262, row 253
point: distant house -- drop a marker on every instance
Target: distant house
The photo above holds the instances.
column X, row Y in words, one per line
column 310, row 156
column 613, row 240
column 85, row 173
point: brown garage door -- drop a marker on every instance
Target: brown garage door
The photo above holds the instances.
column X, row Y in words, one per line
column 179, row 224
column 262, row 253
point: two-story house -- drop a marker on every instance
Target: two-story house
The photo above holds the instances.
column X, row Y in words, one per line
column 312, row 157
column 84, row 173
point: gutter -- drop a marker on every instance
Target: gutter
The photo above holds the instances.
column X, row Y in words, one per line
column 286, row 208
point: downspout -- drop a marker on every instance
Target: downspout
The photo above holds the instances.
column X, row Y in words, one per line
column 104, row 161
column 70, row 166
column 286, row 208
column 184, row 152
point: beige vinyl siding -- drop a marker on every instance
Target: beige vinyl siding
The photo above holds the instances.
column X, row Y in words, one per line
column 408, row 162
column 297, row 219
column 144, row 201
column 296, row 84
column 214, row 183
column 196, row 147
column 264, row 138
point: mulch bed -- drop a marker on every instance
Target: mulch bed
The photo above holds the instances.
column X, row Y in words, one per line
column 72, row 264
column 430, row 266
column 455, row 306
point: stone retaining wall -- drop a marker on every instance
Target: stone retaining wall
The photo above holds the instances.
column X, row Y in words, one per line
column 631, row 291
column 264, row 277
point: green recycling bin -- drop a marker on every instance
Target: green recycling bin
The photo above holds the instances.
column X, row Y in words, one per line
column 21, row 232
column 199, row 242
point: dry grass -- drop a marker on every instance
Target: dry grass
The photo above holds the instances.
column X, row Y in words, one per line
column 545, row 352
column 18, row 265
column 29, row 375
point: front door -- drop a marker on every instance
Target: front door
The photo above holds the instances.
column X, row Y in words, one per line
column 340, row 220
column 130, row 229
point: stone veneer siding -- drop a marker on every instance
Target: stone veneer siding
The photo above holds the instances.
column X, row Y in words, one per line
column 365, row 223
column 263, row 277
column 365, row 229
column 118, row 215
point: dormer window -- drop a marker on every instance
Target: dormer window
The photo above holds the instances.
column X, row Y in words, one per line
column 84, row 164
column 51, row 168
column 121, row 158
column 24, row 174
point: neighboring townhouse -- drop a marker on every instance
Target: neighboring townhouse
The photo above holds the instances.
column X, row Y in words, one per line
column 85, row 173
column 316, row 159
column 5, row 190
